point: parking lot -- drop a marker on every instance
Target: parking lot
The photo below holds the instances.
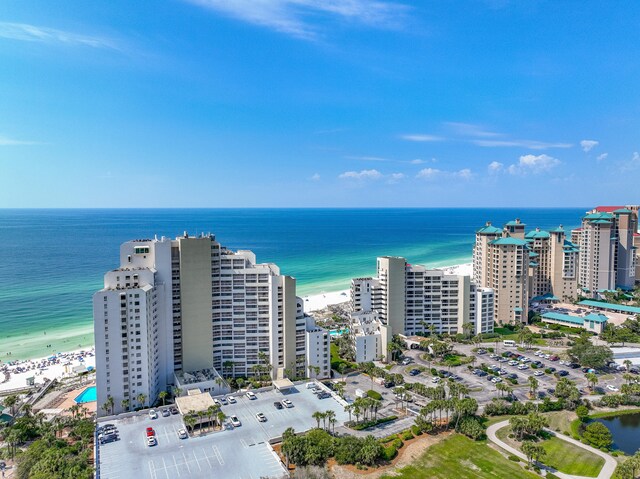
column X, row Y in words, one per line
column 242, row 452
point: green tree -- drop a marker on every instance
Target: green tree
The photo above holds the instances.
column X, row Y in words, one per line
column 163, row 396
column 533, row 385
column 124, row 404
column 141, row 399
column 598, row 435
column 582, row 412
column 592, row 379
column 533, row 451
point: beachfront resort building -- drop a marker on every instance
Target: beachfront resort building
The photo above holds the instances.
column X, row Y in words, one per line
column 179, row 311
column 410, row 299
column 501, row 262
column 553, row 265
column 607, row 251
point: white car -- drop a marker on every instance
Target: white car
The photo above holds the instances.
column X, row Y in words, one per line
column 182, row 433
column 435, row 379
column 261, row 417
column 496, row 380
column 287, row 403
column 538, row 373
column 522, row 367
column 538, row 353
column 611, row 387
column 153, row 414
column 231, row 399
column 151, row 441
column 251, row 395
column 235, row 422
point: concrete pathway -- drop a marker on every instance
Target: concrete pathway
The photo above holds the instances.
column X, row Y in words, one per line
column 606, row 472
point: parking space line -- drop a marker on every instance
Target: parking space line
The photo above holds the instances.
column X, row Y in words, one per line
column 152, row 469
column 197, row 462
column 186, row 462
column 206, row 457
column 164, row 464
column 176, row 465
column 218, row 455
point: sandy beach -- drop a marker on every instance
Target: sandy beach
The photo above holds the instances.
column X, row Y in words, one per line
column 14, row 374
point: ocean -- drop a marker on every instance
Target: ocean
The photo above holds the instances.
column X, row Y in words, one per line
column 51, row 260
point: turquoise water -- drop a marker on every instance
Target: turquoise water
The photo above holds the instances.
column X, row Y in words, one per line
column 88, row 395
column 338, row 332
column 54, row 260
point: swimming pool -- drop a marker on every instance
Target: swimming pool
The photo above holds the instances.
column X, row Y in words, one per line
column 338, row 332
column 88, row 395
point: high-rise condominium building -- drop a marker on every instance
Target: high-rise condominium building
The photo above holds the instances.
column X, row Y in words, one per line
column 607, row 254
column 410, row 299
column 501, row 262
column 553, row 265
column 177, row 311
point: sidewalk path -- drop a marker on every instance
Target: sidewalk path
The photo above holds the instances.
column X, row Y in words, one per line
column 606, row 472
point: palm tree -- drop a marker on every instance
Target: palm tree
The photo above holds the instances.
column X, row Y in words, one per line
column 163, row 395
column 177, row 391
column 348, row 408
column 141, row 399
column 190, row 421
column 227, row 365
column 201, row 416
column 533, row 385
column 27, row 409
column 10, row 402
column 332, row 424
column 628, row 364
column 110, row 403
column 124, row 404
column 331, row 416
column 317, row 416
column 221, row 417
column 219, row 381
column 592, row 379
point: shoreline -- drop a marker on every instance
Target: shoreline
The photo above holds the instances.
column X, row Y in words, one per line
column 312, row 302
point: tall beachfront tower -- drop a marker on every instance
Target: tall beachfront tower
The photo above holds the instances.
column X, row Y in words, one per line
column 181, row 310
column 410, row 299
column 607, row 253
column 501, row 262
column 553, row 265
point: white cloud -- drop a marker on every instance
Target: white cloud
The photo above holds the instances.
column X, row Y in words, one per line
column 421, row 137
column 602, row 156
column 531, row 144
column 417, row 162
column 32, row 33
column 633, row 163
column 294, row 17
column 428, row 173
column 395, row 177
column 5, row 141
column 588, row 145
column 495, row 166
column 533, row 164
column 464, row 173
column 315, row 177
column 468, row 129
column 361, row 175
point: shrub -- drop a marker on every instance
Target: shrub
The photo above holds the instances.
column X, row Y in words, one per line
column 515, row 459
column 416, row 430
column 397, row 443
column 389, row 452
column 582, row 412
column 407, row 435
column 374, row 395
column 598, row 435
column 471, row 427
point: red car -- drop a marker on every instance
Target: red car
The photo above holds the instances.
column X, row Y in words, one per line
column 150, row 432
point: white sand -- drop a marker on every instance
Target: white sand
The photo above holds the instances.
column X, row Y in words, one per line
column 56, row 368
column 316, row 302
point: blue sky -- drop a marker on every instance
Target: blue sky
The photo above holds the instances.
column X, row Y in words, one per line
column 223, row 103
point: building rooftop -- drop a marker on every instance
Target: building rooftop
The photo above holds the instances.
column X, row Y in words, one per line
column 537, row 234
column 194, row 402
column 515, row 222
column 489, row 230
column 598, row 216
column 509, row 241
column 568, row 318
column 608, row 209
column 610, row 306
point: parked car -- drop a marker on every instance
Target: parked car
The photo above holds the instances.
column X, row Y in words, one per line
column 150, row 432
column 182, row 433
column 174, row 410
column 414, row 372
column 435, row 379
column 235, row 422
column 166, row 413
column 324, row 395
column 223, row 401
column 612, row 388
column 562, row 373
column 151, row 441
column 552, row 370
column 512, row 376
column 153, row 414
column 389, row 384
column 251, row 395
column 538, row 373
column 287, row 403
column 406, row 361
column 231, row 399
column 482, row 373
column 574, row 365
column 522, row 367
column 261, row 417
column 277, row 405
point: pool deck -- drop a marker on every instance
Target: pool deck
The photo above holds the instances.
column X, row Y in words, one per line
column 72, row 395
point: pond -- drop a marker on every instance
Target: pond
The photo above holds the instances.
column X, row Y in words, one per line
column 625, row 430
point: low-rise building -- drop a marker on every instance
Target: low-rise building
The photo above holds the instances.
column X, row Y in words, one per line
column 592, row 322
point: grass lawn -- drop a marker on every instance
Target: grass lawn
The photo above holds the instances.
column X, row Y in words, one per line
column 563, row 456
column 560, row 420
column 461, row 458
column 336, row 360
